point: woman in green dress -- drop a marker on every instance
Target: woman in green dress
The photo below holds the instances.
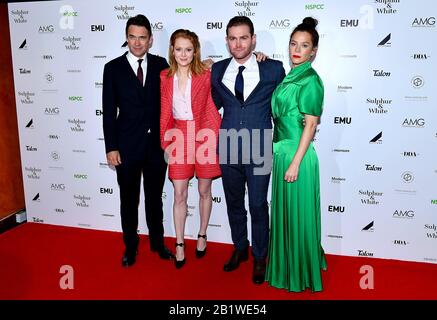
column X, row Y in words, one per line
column 295, row 254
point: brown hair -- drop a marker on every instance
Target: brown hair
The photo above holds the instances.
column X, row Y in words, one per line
column 196, row 66
column 308, row 25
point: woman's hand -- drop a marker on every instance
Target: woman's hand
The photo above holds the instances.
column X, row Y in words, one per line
column 292, row 173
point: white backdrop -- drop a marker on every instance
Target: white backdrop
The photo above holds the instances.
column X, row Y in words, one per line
column 376, row 142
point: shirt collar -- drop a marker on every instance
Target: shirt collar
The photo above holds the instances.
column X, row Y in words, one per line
column 133, row 59
column 248, row 64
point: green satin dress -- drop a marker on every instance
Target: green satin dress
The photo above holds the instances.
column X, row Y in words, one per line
column 295, row 251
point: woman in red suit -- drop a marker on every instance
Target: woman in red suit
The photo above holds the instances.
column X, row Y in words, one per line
column 189, row 133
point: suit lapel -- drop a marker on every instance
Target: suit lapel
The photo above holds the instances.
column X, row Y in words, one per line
column 150, row 69
column 168, row 106
column 221, row 75
column 130, row 71
column 196, row 86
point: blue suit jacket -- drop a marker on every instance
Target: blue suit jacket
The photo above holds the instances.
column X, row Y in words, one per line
column 135, row 129
column 254, row 113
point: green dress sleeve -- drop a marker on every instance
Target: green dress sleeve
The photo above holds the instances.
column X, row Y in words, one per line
column 311, row 96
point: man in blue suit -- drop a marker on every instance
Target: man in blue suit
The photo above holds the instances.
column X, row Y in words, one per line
column 131, row 112
column 244, row 87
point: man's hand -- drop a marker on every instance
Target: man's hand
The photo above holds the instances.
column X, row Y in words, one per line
column 208, row 63
column 113, row 158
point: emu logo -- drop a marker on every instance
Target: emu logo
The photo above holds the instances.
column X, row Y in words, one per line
column 335, row 209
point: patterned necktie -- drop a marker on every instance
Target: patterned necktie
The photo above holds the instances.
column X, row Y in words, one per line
column 140, row 71
column 239, row 84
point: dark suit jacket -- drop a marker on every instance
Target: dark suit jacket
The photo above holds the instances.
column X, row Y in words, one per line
column 255, row 112
column 136, row 128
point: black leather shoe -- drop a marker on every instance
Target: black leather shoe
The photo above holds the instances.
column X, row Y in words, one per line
column 179, row 263
column 163, row 252
column 259, row 271
column 201, row 253
column 129, row 258
column 237, row 257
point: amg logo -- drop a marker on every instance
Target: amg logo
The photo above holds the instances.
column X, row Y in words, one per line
column 157, row 26
column 46, row 29
column 413, row 122
column 423, row 22
column 51, row 110
column 279, row 24
column 58, row 186
column 403, row 214
column 335, row 208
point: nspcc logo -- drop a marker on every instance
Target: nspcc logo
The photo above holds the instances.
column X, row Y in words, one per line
column 183, row 10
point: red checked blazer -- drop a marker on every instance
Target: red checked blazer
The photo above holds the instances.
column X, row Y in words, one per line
column 205, row 113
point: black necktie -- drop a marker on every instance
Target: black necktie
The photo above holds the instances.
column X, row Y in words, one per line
column 239, row 84
column 140, row 71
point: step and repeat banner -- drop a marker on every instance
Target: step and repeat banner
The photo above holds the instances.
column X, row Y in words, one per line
column 376, row 143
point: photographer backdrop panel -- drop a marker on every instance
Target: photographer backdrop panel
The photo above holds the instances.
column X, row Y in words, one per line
column 376, row 142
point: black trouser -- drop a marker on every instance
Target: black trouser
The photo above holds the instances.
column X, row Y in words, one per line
column 153, row 168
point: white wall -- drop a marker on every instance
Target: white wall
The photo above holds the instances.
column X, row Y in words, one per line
column 59, row 50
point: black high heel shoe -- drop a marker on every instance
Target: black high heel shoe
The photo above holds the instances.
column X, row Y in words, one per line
column 179, row 263
column 201, row 253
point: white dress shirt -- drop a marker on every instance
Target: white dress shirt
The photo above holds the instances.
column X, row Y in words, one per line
column 133, row 61
column 250, row 75
column 182, row 101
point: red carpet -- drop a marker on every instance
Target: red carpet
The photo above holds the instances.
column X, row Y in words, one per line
column 31, row 256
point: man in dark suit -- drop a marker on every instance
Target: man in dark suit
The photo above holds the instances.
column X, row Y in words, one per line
column 131, row 112
column 244, row 87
